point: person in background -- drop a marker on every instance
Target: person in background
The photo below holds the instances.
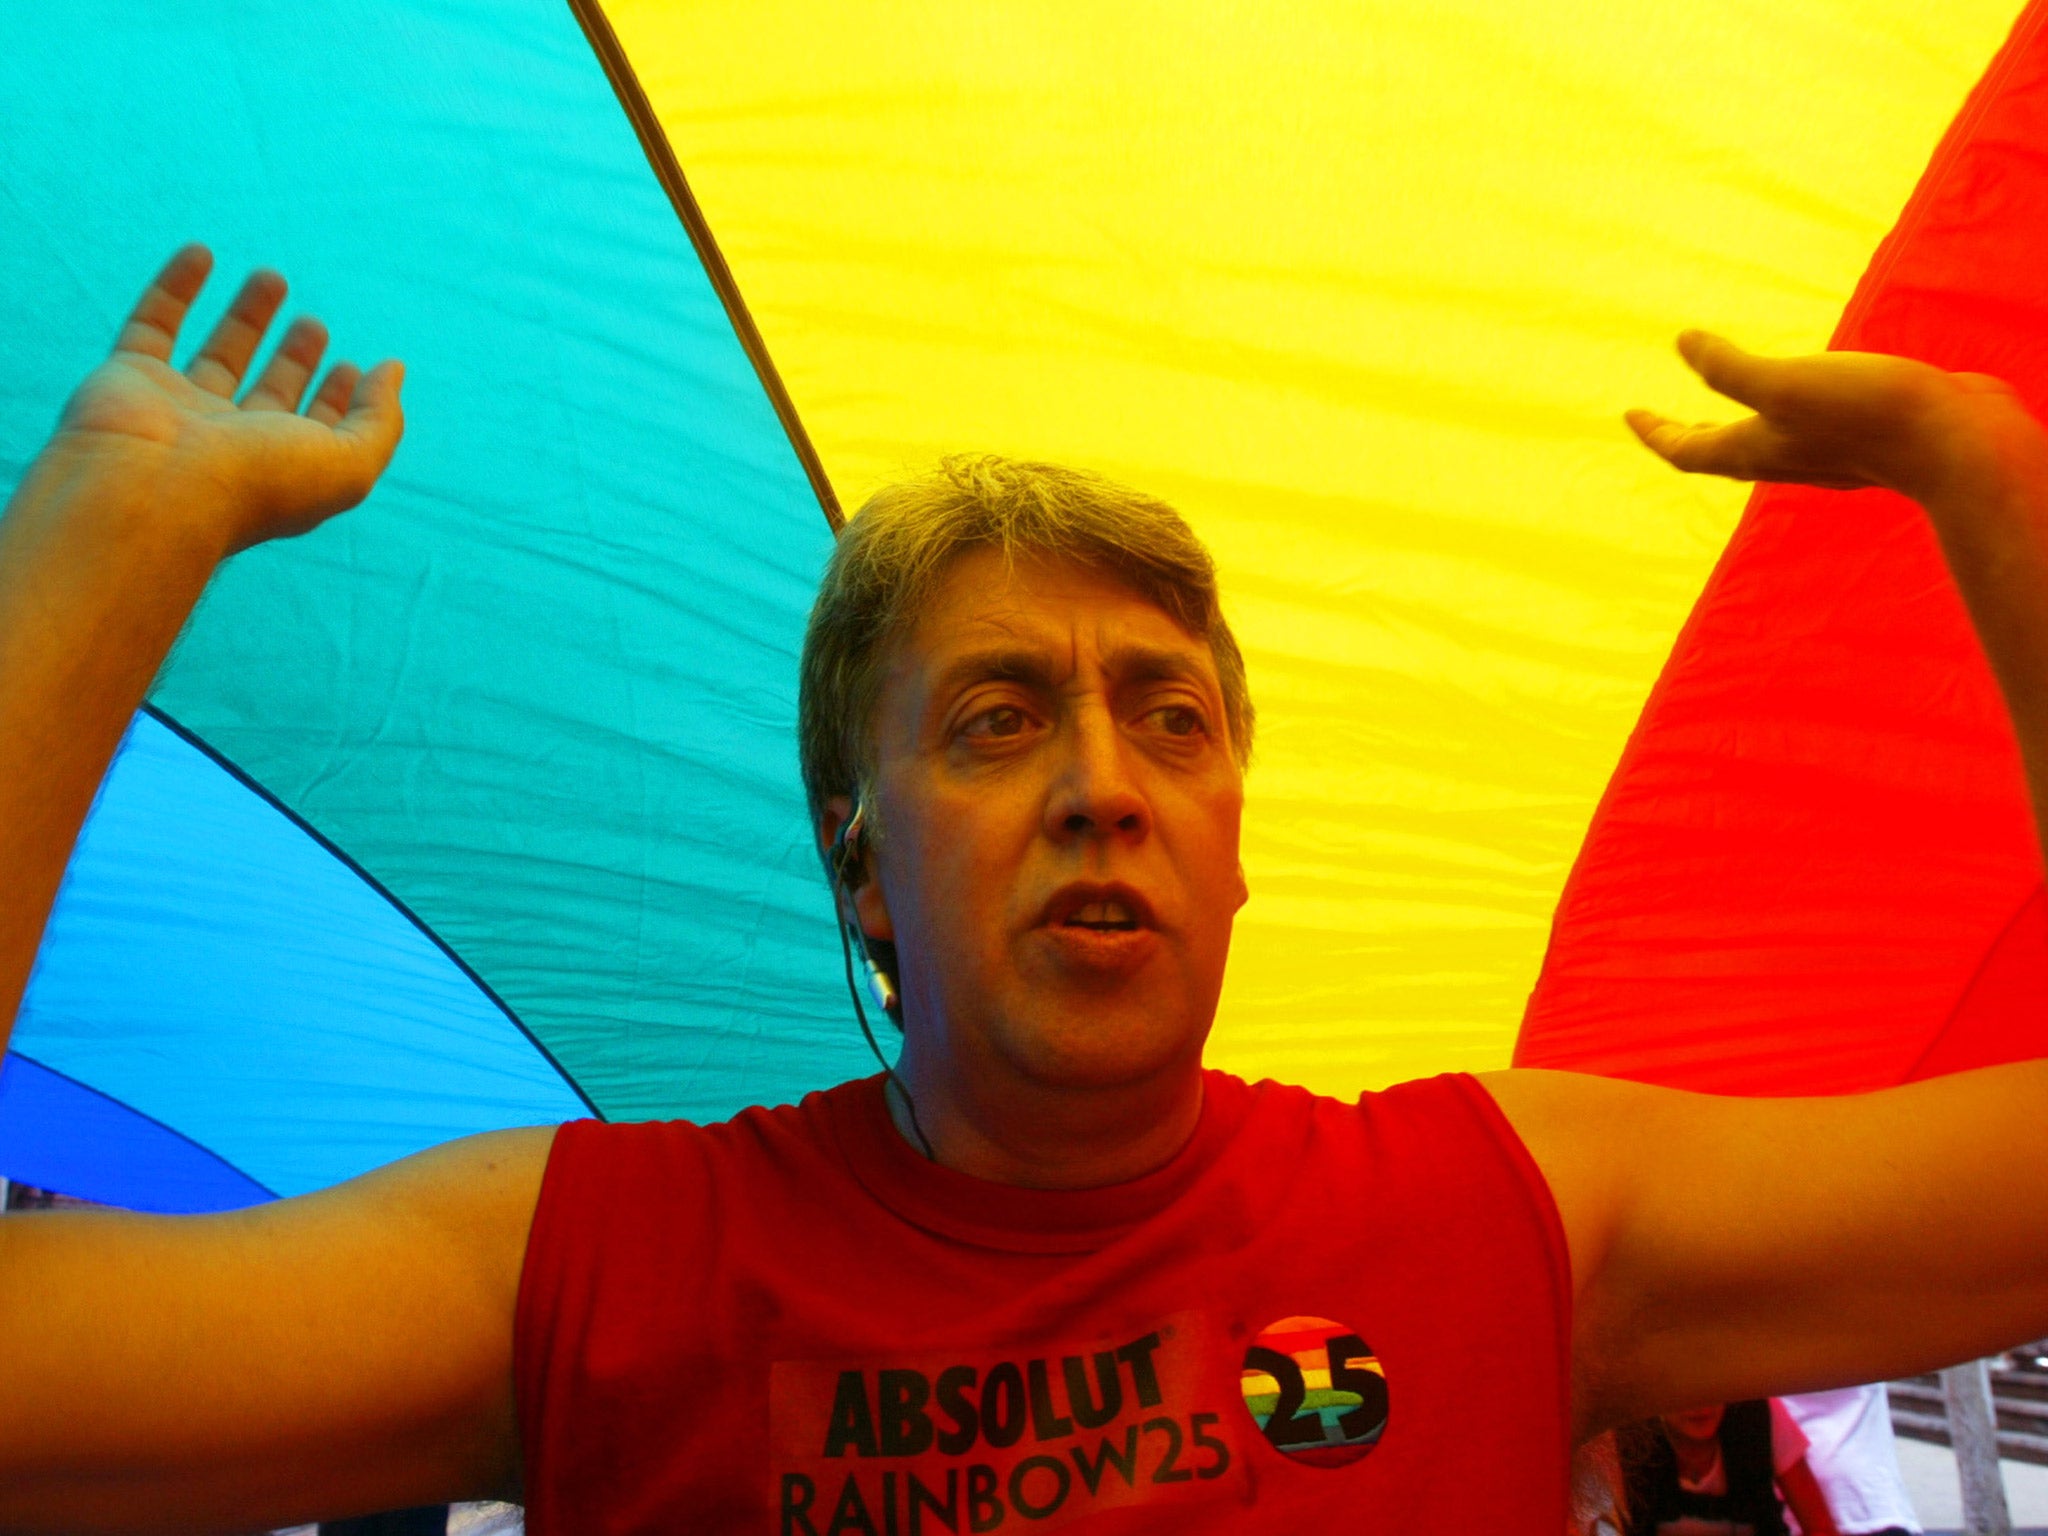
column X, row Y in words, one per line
column 1598, row 1489
column 473, row 1519
column 427, row 1520
column 1855, row 1461
column 1720, row 1471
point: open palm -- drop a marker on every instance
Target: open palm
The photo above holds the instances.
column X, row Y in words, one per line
column 278, row 473
column 1842, row 420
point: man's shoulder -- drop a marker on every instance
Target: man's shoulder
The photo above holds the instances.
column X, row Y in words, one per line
column 628, row 1149
column 1435, row 1121
column 1446, row 1092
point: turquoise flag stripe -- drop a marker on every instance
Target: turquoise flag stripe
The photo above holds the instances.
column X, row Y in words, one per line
column 661, row 159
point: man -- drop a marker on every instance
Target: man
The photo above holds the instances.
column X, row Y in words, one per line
column 1116, row 1288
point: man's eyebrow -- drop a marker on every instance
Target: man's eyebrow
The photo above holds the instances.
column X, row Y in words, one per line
column 1008, row 663
column 1128, row 663
column 1153, row 664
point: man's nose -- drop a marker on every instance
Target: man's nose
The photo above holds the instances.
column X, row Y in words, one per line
column 1096, row 792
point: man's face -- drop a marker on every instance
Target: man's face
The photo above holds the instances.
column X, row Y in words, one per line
column 1059, row 806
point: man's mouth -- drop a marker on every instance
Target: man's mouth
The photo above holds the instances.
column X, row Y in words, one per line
column 1099, row 908
column 1104, row 916
column 1099, row 929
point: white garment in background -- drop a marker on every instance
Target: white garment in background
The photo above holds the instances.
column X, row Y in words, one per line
column 463, row 1520
column 1854, row 1459
column 486, row 1520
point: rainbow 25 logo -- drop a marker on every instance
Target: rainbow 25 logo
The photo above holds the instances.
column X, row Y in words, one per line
column 1316, row 1391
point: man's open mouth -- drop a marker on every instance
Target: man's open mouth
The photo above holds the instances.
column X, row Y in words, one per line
column 1104, row 916
column 1098, row 908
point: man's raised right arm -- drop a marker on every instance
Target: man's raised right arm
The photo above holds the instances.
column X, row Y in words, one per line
column 342, row 1352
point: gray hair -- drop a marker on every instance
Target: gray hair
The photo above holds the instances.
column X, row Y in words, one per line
column 895, row 552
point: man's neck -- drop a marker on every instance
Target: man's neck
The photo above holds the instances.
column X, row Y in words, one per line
column 1049, row 1136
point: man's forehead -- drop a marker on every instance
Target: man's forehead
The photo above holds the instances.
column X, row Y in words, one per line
column 988, row 613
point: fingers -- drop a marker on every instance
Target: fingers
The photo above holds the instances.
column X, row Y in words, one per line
column 330, row 402
column 1731, row 450
column 1751, row 449
column 366, row 432
column 152, row 326
column 374, row 417
column 1645, row 425
column 1735, row 449
column 220, row 363
column 282, row 384
column 1728, row 370
column 1660, row 434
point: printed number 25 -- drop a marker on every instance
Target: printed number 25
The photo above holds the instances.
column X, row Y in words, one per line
column 1283, row 1428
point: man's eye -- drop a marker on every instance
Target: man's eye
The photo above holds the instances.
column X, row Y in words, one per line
column 996, row 722
column 1179, row 720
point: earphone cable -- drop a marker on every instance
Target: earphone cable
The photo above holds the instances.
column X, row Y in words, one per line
column 867, row 1031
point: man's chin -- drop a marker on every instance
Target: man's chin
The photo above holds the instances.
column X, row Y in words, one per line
column 1100, row 1048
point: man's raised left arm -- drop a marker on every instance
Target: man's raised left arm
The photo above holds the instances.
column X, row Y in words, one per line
column 1727, row 1248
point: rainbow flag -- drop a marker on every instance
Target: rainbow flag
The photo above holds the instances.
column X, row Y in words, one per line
column 478, row 807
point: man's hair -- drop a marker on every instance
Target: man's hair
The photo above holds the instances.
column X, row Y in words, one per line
column 895, row 552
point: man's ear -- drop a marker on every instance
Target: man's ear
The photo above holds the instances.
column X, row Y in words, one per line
column 830, row 819
column 861, row 885
column 1243, row 891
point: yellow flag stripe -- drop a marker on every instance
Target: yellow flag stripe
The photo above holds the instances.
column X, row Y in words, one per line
column 1363, row 287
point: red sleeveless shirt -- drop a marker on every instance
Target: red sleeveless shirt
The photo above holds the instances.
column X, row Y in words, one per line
column 1319, row 1316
